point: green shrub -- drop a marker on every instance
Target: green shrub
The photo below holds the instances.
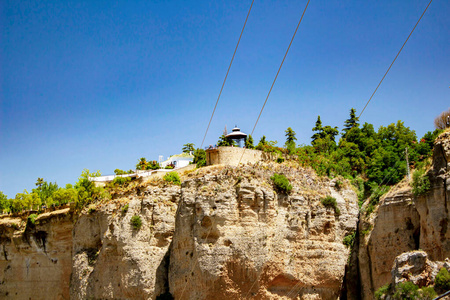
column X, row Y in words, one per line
column 200, row 157
column 406, row 290
column 427, row 293
column 330, row 202
column 280, row 159
column 136, row 222
column 281, row 183
column 442, row 280
column 349, row 239
column 170, row 167
column 172, row 177
column 382, row 291
column 420, row 183
column 31, row 220
column 338, row 184
column 120, row 181
column 125, row 209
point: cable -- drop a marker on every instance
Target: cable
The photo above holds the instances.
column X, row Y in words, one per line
column 229, row 67
column 276, row 76
column 395, row 58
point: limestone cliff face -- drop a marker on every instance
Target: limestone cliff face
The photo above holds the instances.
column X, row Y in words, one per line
column 403, row 223
column 225, row 233
column 238, row 238
column 112, row 259
column 36, row 263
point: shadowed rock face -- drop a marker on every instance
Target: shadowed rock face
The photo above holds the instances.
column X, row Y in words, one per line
column 404, row 223
column 237, row 238
column 36, row 263
column 112, row 260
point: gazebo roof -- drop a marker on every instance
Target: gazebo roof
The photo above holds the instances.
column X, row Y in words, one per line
column 236, row 134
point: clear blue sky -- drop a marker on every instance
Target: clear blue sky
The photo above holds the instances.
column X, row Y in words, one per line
column 99, row 84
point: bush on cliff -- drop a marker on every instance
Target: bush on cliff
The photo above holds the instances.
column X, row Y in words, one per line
column 200, row 157
column 406, row 290
column 442, row 280
column 420, row 183
column 281, row 183
column 330, row 202
column 382, row 291
column 136, row 222
column 172, row 177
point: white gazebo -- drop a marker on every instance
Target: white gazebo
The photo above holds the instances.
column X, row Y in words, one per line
column 237, row 135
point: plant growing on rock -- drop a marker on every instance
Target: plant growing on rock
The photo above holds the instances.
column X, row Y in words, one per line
column 330, row 202
column 349, row 239
column 31, row 220
column 442, row 280
column 382, row 291
column 281, row 183
column 420, row 183
column 136, row 222
column 406, row 290
column 172, row 177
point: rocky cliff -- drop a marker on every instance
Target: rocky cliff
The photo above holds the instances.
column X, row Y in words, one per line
column 229, row 233
column 404, row 223
column 225, row 232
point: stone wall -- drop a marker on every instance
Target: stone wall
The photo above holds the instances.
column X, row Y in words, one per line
column 232, row 155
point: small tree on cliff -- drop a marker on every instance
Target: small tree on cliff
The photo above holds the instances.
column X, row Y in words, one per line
column 249, row 142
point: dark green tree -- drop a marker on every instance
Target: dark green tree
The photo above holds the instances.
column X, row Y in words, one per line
column 318, row 129
column 200, row 157
column 290, row 135
column 224, row 141
column 262, row 143
column 249, row 142
column 187, row 148
column 351, row 122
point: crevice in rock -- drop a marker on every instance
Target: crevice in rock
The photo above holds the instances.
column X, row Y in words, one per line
column 162, row 277
column 5, row 254
column 351, row 283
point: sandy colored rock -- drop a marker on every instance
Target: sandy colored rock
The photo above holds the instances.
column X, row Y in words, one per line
column 236, row 237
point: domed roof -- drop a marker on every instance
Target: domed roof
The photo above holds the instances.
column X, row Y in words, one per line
column 236, row 134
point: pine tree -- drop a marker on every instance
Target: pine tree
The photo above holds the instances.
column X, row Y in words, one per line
column 350, row 123
column 290, row 135
column 319, row 131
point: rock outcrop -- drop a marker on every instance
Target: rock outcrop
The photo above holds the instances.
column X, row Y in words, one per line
column 229, row 233
column 404, row 223
column 225, row 233
column 238, row 238
column 114, row 260
column 36, row 261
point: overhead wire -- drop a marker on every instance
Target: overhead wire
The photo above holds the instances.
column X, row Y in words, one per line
column 394, row 60
column 226, row 76
column 276, row 76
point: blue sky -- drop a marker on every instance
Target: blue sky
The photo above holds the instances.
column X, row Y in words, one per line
column 99, row 84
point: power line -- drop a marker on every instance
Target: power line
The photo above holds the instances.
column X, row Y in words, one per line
column 276, row 76
column 225, row 79
column 395, row 58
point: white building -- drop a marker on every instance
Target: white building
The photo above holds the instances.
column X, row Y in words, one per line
column 178, row 161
